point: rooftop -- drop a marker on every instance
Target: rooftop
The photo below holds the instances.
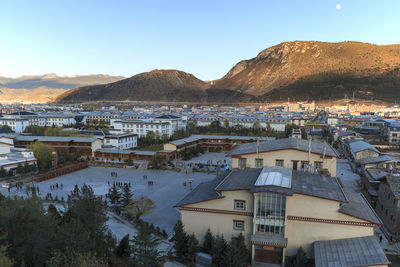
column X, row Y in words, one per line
column 285, row 143
column 194, row 138
column 281, row 177
column 361, row 251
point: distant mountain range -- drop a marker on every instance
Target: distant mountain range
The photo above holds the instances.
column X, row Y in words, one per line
column 45, row 88
column 53, row 81
column 300, row 70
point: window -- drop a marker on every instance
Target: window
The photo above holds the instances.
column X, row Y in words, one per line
column 270, row 212
column 258, row 163
column 239, row 205
column 238, row 225
column 318, row 164
column 242, row 163
column 279, row 162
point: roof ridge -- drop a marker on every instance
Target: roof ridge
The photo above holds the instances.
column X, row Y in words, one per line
column 215, row 188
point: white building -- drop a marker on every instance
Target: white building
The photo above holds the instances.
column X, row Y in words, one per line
column 140, row 127
column 11, row 157
column 121, row 141
column 393, row 134
column 18, row 121
column 176, row 123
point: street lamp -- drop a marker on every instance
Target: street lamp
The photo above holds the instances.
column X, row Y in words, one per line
column 54, row 160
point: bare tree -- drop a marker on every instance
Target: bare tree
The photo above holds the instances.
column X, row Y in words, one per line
column 140, row 207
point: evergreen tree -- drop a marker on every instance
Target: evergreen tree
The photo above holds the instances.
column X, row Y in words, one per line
column 114, row 195
column 52, row 211
column 219, row 252
column 20, row 169
column 3, row 172
column 208, row 242
column 193, row 248
column 300, row 259
column 238, row 254
column 145, row 249
column 181, row 241
column 126, row 196
column 124, row 249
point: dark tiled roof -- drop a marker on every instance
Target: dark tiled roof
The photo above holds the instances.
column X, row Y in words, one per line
column 361, row 251
column 239, row 179
column 204, row 191
column 23, row 113
column 394, row 184
column 362, row 145
column 379, row 159
column 269, row 239
column 169, row 116
column 359, row 207
column 317, row 185
column 286, row 143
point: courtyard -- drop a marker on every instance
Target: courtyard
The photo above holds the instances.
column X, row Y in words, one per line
column 166, row 191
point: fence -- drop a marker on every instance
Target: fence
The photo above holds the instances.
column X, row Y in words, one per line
column 58, row 172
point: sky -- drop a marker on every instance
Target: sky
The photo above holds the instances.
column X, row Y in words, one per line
column 202, row 37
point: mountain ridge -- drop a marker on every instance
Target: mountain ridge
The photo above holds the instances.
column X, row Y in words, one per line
column 303, row 70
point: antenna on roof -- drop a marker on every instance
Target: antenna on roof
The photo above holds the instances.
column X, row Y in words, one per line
column 309, row 150
column 258, row 147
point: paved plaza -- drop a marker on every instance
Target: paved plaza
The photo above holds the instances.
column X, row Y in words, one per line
column 166, row 190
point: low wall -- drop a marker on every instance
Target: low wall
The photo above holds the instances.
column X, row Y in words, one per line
column 58, row 172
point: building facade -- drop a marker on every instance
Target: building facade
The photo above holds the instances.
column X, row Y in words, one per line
column 271, row 208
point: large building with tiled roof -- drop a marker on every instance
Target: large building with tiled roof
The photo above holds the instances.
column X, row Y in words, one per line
column 294, row 153
column 277, row 210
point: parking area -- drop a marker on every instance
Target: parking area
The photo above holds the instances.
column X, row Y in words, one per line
column 166, row 191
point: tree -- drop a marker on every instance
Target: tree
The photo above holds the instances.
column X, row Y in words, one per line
column 88, row 212
column 140, row 207
column 219, row 253
column 126, row 196
column 145, row 248
column 114, row 195
column 5, row 261
column 238, row 255
column 208, row 242
column 300, row 259
column 193, row 248
column 156, row 161
column 181, row 241
column 6, row 128
column 3, row 172
column 123, row 249
column 44, row 155
column 76, row 259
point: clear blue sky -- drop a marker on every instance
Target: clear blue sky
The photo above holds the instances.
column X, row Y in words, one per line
column 203, row 37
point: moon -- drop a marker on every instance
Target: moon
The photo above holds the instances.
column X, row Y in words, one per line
column 338, row 6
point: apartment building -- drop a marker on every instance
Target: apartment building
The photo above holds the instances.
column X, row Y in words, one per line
column 121, row 141
column 141, row 127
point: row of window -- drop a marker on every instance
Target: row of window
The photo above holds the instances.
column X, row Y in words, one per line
column 259, row 163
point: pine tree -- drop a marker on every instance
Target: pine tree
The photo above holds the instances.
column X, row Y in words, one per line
column 113, row 195
column 238, row 255
column 219, row 252
column 124, row 249
column 181, row 241
column 126, row 196
column 208, row 242
column 145, row 249
column 193, row 248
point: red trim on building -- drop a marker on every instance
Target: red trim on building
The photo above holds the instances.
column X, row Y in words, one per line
column 241, row 213
column 308, row 219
